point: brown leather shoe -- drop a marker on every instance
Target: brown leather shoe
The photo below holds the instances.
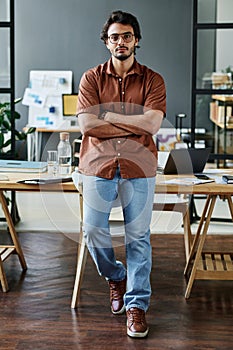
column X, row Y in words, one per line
column 136, row 323
column 117, row 291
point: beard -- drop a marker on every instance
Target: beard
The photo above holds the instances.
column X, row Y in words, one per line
column 122, row 56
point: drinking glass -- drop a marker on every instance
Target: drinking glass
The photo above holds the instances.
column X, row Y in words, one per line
column 52, row 163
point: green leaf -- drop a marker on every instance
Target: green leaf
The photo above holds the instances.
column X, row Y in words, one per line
column 16, row 115
column 17, row 100
column 5, row 105
column 1, row 140
column 30, row 130
column 20, row 135
column 7, row 143
column 8, row 115
column 6, row 125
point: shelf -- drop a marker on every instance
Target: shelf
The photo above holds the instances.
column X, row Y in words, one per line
column 206, row 27
column 221, row 125
column 215, row 266
column 223, row 98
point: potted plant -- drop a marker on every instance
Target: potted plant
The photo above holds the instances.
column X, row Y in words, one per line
column 6, row 119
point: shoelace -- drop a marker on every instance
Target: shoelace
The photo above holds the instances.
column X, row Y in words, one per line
column 136, row 316
column 117, row 290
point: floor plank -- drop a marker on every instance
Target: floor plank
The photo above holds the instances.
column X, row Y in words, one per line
column 36, row 314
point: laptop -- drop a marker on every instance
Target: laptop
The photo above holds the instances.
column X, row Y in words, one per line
column 186, row 161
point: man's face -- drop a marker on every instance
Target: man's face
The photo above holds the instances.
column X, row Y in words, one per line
column 121, row 41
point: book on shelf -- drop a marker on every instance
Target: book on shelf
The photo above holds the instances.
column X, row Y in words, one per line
column 228, row 179
column 23, row 166
column 217, row 113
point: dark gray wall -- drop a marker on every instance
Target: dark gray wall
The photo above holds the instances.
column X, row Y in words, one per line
column 64, row 34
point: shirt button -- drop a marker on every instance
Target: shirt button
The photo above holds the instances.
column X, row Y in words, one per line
column 118, row 154
column 120, row 79
column 118, row 141
column 123, row 92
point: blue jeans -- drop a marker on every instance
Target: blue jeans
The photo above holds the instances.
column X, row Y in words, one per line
column 136, row 198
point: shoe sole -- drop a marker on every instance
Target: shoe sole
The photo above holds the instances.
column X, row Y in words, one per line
column 121, row 311
column 137, row 334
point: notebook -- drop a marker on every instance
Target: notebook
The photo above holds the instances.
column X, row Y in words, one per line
column 185, row 161
column 23, row 166
column 46, row 180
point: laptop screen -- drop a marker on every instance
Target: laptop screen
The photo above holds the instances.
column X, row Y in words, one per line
column 186, row 161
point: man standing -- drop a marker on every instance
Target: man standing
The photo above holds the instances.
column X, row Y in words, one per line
column 120, row 107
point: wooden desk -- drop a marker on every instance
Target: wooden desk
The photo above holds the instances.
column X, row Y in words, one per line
column 200, row 265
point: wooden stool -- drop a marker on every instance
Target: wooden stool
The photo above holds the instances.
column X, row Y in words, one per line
column 7, row 250
column 173, row 203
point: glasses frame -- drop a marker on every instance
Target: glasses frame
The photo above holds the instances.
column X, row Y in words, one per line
column 121, row 36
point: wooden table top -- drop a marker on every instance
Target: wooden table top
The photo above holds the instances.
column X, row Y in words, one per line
column 12, row 183
column 207, row 188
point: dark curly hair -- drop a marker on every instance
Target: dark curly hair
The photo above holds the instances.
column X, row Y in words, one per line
column 123, row 18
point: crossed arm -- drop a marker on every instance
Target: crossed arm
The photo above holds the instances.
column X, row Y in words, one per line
column 119, row 125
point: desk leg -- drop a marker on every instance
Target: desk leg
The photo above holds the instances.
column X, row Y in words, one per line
column 12, row 231
column 210, row 200
column 197, row 236
column 3, row 279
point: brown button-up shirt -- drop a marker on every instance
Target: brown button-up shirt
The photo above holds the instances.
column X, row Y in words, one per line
column 104, row 149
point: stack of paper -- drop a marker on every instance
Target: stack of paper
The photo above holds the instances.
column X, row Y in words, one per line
column 186, row 181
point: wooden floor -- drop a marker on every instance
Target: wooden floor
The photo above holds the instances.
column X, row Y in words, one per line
column 35, row 314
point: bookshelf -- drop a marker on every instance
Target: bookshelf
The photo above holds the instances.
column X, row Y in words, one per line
column 208, row 28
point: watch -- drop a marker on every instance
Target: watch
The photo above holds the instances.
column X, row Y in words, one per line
column 103, row 115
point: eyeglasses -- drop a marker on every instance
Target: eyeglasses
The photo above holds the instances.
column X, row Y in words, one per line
column 127, row 37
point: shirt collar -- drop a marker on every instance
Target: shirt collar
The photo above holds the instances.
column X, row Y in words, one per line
column 135, row 69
